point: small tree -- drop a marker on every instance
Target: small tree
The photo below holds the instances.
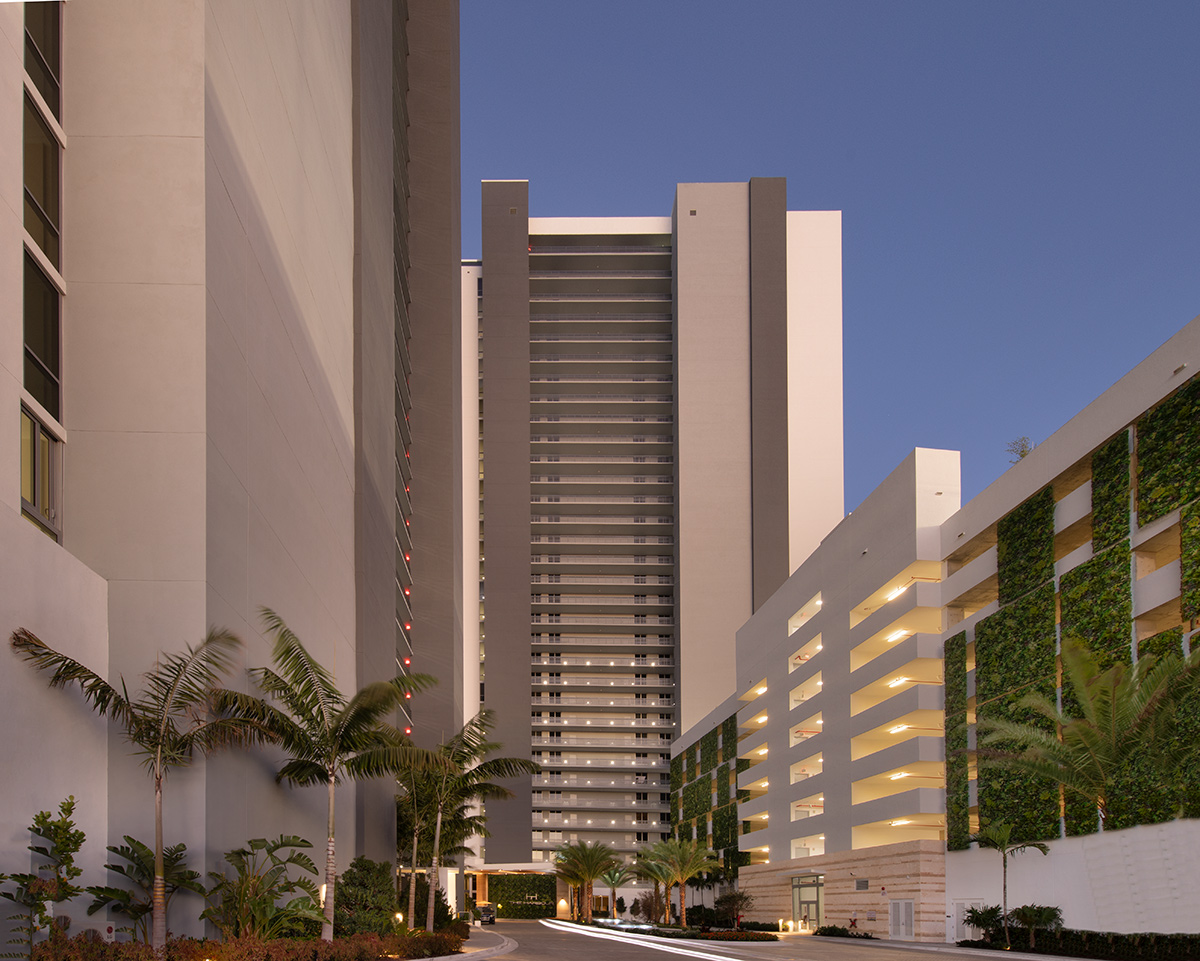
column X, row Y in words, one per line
column 614, row 877
column 582, row 864
column 998, row 837
column 732, row 905
column 987, row 920
column 53, row 883
column 620, row 906
column 1019, row 448
column 366, row 901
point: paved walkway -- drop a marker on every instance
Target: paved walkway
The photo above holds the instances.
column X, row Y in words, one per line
column 536, row 941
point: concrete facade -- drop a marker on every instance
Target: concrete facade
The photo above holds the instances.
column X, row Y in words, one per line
column 610, row 462
column 259, row 234
column 840, row 677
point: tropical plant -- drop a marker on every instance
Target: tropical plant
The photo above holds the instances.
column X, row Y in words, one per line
column 1034, row 917
column 366, row 901
column 326, row 735
column 1125, row 712
column 53, row 883
column 246, row 905
column 580, row 864
column 174, row 718
column 987, row 920
column 683, row 860
column 732, row 905
column 138, row 903
column 465, row 776
column 658, row 875
column 620, row 906
column 614, row 877
column 998, row 837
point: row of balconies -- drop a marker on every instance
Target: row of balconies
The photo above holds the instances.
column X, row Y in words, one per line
column 579, row 680
column 658, row 620
column 555, row 739
column 620, row 762
column 612, row 802
column 615, row 724
column 597, row 700
column 651, row 781
column 660, row 580
column 597, row 823
column 597, row 661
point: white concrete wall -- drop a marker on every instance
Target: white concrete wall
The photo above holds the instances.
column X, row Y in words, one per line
column 1138, row 879
column 816, row 501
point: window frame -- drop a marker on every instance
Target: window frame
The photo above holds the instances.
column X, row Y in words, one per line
column 49, row 522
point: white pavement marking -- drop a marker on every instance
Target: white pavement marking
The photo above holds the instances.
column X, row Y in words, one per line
column 649, row 941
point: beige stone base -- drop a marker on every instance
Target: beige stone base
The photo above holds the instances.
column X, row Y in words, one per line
column 910, row 870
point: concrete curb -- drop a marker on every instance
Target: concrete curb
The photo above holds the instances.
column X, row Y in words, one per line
column 506, row 945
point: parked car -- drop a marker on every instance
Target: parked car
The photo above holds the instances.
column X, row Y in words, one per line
column 487, row 914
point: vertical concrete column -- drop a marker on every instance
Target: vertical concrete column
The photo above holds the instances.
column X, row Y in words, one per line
column 506, row 512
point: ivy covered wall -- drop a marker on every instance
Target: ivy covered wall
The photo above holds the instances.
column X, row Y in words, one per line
column 1097, row 604
column 523, row 895
column 958, row 822
column 1189, row 561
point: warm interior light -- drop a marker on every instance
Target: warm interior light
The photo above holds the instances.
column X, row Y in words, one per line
column 820, row 646
column 761, row 690
column 765, row 816
column 895, row 636
column 897, row 682
column 902, row 821
column 898, row 728
column 897, row 777
column 763, row 751
column 763, row 719
column 897, row 592
column 766, row 849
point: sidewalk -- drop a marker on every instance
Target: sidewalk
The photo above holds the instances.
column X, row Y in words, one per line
column 487, row 944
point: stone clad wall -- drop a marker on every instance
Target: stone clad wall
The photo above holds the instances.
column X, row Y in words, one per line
column 912, row 869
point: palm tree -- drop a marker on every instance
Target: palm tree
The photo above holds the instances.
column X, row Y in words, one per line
column 656, row 873
column 177, row 715
column 326, row 735
column 583, row 863
column 1126, row 712
column 465, row 776
column 614, row 877
column 684, row 860
column 1035, row 916
column 998, row 837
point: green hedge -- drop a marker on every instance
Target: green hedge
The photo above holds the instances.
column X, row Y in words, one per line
column 1189, row 561
column 523, row 895
column 1015, row 656
column 1025, row 546
column 958, row 821
column 1110, row 492
column 710, row 755
column 723, row 795
column 1097, row 604
column 1168, row 454
column 729, row 738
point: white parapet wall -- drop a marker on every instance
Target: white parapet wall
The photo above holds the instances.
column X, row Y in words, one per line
column 1139, row 879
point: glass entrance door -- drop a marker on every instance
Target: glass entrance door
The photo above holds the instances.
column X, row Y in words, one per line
column 808, row 901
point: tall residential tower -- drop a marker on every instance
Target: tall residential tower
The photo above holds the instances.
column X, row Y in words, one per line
column 661, row 437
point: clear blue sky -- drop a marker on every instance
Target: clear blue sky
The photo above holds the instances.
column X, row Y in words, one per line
column 1019, row 181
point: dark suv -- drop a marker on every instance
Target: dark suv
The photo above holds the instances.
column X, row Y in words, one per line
column 487, row 914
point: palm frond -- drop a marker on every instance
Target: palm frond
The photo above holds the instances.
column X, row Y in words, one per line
column 103, row 698
column 311, row 682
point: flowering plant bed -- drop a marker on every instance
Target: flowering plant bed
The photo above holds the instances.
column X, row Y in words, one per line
column 717, row 935
column 358, row 947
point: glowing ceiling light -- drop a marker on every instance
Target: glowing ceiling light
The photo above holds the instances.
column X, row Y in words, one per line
column 902, row 821
column 762, row 752
column 762, row 720
column 896, row 636
column 897, row 592
column 897, row 682
column 761, row 690
column 898, row 728
column 897, row 777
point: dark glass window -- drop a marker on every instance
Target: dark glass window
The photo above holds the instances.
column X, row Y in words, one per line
column 42, row 350
column 41, row 182
column 39, row 470
column 43, row 50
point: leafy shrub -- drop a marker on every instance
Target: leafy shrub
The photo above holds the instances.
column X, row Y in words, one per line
column 837, row 931
column 714, row 935
column 247, row 904
column 137, row 904
column 366, row 900
column 442, row 915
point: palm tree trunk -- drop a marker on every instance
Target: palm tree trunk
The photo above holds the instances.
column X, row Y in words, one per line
column 330, row 873
column 433, row 875
column 682, row 906
column 158, row 937
column 412, row 884
column 1004, row 893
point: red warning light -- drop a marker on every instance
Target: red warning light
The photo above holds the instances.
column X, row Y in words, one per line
column 408, row 730
column 407, row 695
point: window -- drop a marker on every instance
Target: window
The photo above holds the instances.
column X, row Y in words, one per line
column 643, row 836
column 39, row 470
column 43, row 50
column 42, row 338
column 42, row 182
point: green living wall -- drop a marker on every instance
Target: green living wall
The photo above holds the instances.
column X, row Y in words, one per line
column 1014, row 656
column 1110, row 493
column 1189, row 561
column 1025, row 547
column 1168, row 454
column 958, row 822
column 523, row 895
